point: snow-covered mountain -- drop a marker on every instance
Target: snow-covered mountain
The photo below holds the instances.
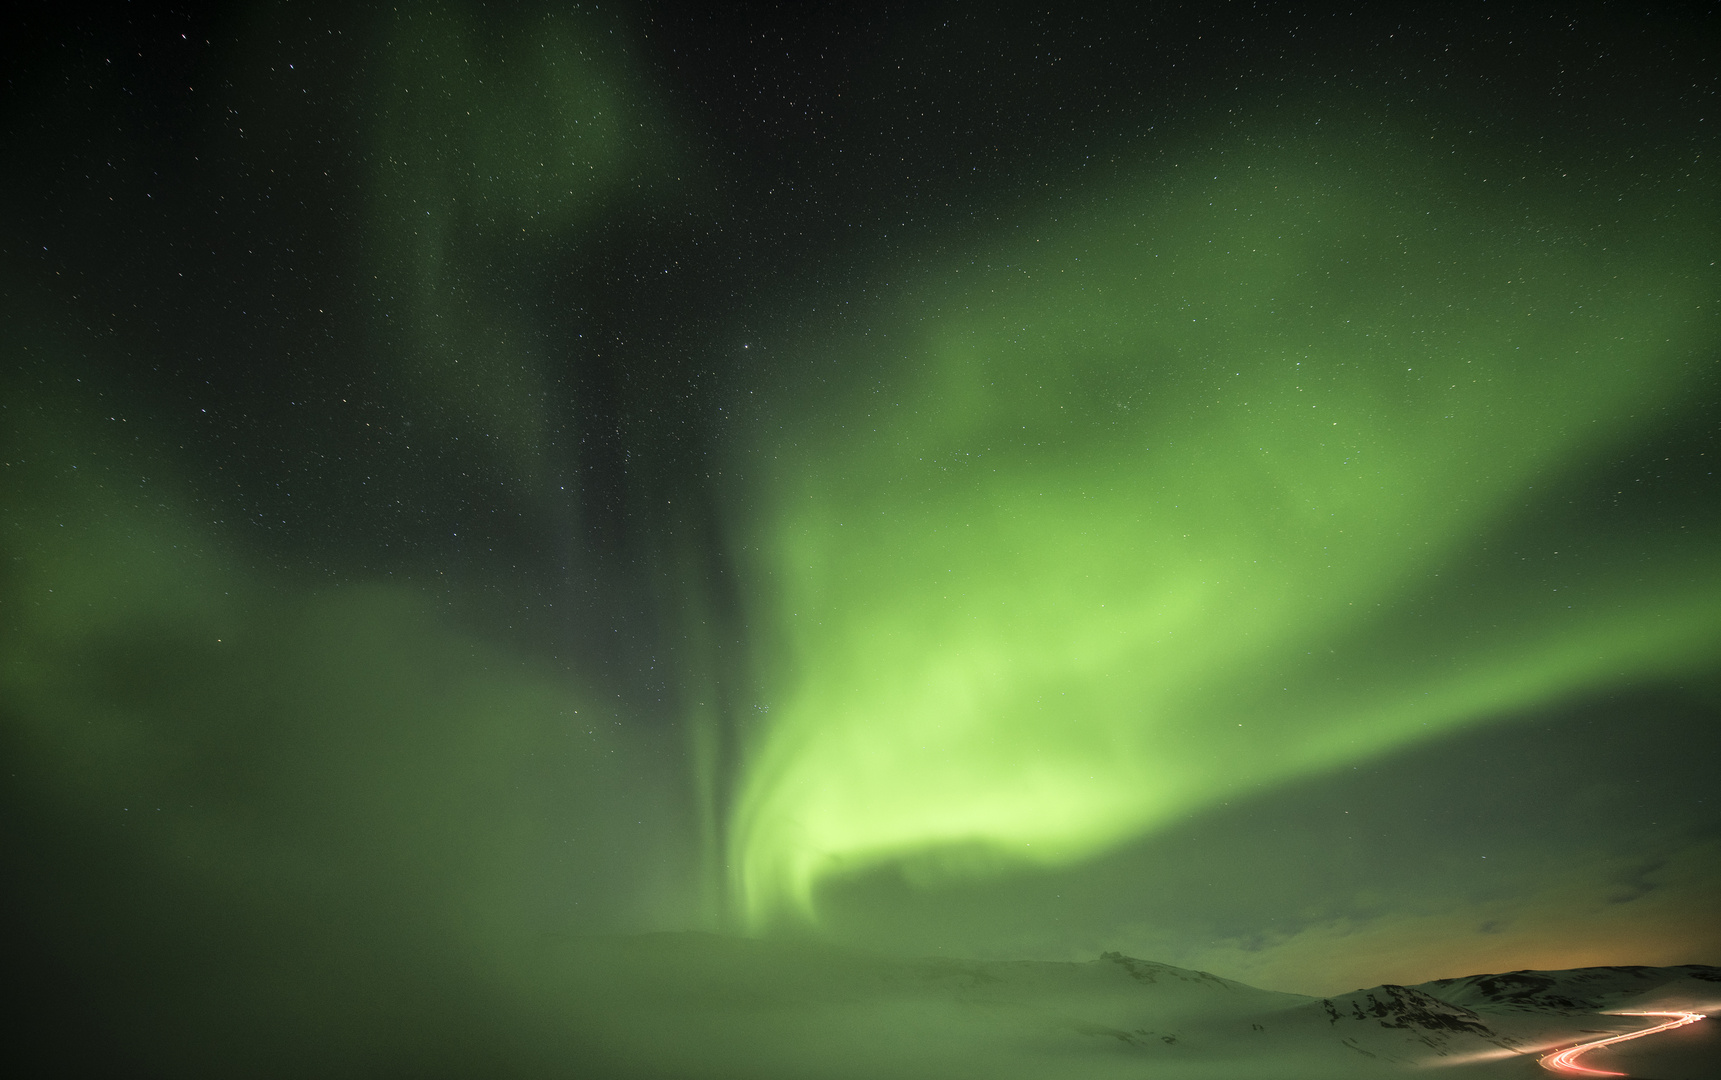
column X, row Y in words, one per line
column 697, row 1005
column 1582, row 989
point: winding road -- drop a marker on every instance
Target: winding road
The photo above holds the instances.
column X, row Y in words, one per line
column 1566, row 1061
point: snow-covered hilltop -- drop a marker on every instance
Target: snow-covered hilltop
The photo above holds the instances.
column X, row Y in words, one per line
column 698, row 1005
column 1582, row 989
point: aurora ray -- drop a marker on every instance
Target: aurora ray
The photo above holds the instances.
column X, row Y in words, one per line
column 1193, row 491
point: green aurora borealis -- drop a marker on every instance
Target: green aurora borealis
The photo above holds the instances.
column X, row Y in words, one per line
column 475, row 482
column 1135, row 521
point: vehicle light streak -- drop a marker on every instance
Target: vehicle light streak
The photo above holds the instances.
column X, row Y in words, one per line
column 1567, row 1060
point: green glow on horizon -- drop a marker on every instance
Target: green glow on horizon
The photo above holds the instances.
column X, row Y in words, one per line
column 1171, row 498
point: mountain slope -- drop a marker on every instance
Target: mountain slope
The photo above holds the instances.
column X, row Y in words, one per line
column 705, row 1006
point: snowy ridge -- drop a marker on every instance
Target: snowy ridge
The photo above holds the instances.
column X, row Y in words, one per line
column 703, row 1005
column 1577, row 990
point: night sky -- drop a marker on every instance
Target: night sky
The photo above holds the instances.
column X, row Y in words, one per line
column 1232, row 484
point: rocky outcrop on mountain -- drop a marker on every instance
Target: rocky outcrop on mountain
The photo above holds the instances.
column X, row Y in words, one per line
column 1398, row 1025
column 1404, row 1007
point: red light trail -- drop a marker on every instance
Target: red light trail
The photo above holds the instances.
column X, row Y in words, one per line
column 1566, row 1061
